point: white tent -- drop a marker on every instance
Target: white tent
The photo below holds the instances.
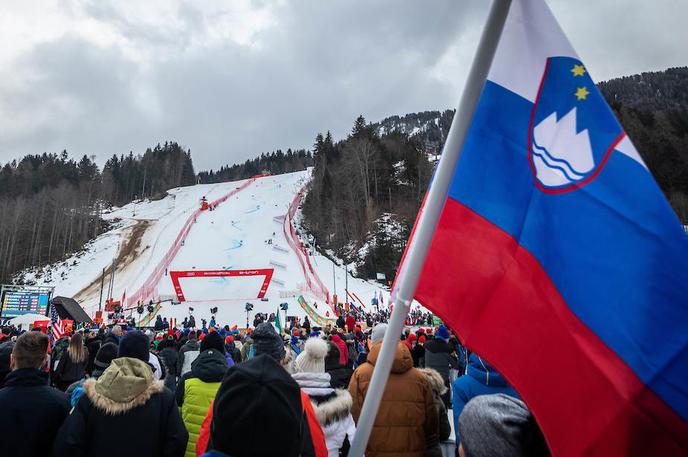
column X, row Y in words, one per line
column 27, row 319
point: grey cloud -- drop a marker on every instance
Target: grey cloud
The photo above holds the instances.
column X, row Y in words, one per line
column 316, row 68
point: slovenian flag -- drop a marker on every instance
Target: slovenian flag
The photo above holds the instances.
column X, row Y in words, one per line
column 558, row 259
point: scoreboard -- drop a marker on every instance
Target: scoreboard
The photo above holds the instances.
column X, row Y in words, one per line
column 17, row 303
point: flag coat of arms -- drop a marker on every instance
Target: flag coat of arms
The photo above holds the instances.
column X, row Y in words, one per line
column 557, row 258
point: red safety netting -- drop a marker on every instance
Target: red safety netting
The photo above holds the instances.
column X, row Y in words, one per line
column 313, row 282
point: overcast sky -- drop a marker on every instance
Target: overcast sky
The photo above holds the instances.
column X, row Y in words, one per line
column 231, row 79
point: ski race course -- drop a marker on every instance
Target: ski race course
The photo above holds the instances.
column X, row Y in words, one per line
column 246, row 248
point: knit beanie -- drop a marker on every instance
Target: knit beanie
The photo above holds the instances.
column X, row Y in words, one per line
column 312, row 357
column 229, row 339
column 213, row 340
column 267, row 341
column 105, row 355
column 442, row 332
column 134, row 344
column 378, row 332
column 499, row 425
column 248, row 390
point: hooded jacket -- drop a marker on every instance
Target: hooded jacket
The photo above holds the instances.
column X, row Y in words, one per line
column 125, row 405
column 480, row 379
column 343, row 350
column 438, row 389
column 438, row 356
column 406, row 423
column 332, row 408
column 196, row 391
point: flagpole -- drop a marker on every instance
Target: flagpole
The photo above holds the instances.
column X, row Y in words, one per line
column 405, row 287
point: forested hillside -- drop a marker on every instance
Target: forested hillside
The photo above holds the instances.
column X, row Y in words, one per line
column 50, row 204
column 276, row 163
column 653, row 108
column 365, row 193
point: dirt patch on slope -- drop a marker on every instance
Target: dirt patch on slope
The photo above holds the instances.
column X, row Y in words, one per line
column 128, row 252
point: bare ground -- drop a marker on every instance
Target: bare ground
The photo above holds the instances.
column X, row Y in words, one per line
column 128, row 252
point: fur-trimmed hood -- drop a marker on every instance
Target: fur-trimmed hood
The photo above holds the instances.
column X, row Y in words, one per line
column 333, row 407
column 124, row 385
column 435, row 380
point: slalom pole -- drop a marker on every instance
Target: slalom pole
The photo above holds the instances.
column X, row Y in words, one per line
column 411, row 269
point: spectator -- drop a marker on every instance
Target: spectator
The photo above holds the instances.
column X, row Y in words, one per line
column 419, row 351
column 407, row 420
column 197, row 388
column 187, row 354
column 93, row 344
column 114, row 335
column 167, row 352
column 5, row 356
column 247, row 346
column 231, row 350
column 438, row 389
column 106, row 354
column 126, row 402
column 248, row 390
column 32, row 411
column 340, row 375
column 499, row 425
column 343, row 350
column 350, row 323
column 480, row 379
column 438, row 356
column 267, row 341
column 341, row 322
column 332, row 406
column 71, row 366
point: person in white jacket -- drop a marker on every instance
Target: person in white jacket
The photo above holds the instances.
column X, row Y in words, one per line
column 332, row 406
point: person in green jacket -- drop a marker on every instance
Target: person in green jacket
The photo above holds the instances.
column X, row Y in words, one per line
column 197, row 388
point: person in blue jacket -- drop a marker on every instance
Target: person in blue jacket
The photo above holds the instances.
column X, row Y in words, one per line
column 480, row 379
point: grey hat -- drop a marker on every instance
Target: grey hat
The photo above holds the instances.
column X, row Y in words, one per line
column 378, row 333
column 499, row 425
column 267, row 341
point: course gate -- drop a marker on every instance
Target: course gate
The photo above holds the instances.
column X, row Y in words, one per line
column 175, row 275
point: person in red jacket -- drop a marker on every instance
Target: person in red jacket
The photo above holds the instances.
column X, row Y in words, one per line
column 260, row 391
column 350, row 323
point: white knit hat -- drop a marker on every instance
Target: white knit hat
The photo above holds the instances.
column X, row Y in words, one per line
column 312, row 358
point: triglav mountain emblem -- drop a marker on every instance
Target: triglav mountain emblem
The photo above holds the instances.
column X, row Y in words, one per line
column 560, row 155
column 571, row 134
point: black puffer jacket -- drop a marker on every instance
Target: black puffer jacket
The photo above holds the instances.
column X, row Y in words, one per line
column 438, row 356
column 32, row 412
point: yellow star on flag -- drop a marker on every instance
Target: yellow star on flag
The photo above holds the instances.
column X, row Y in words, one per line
column 578, row 70
column 581, row 93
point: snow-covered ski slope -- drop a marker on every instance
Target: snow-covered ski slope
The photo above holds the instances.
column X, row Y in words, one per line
column 253, row 229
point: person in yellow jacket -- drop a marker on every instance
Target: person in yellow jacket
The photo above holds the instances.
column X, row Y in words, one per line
column 197, row 388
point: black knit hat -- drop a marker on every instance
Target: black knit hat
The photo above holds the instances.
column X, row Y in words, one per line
column 258, row 391
column 267, row 341
column 105, row 355
column 134, row 344
column 213, row 340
